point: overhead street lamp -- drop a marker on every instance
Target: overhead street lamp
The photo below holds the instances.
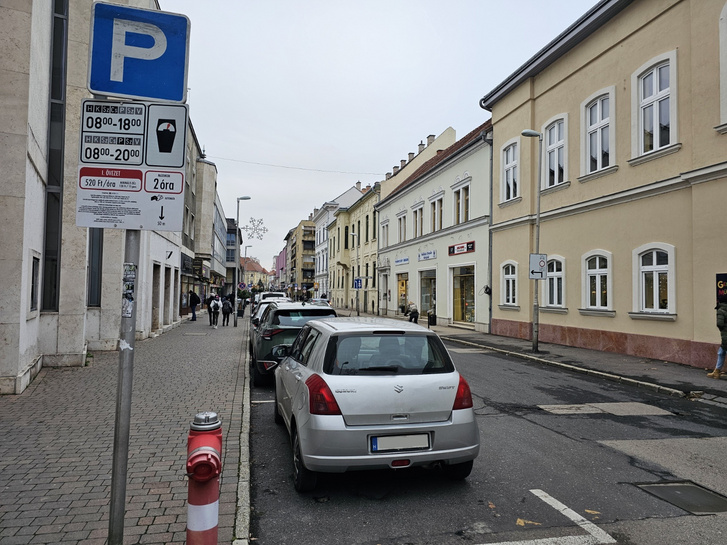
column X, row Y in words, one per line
column 237, row 257
column 536, row 307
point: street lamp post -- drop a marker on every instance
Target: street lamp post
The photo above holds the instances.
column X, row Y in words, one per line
column 536, row 307
column 237, row 258
column 355, row 275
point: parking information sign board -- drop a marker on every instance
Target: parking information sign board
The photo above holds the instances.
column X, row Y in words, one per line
column 131, row 171
column 138, row 53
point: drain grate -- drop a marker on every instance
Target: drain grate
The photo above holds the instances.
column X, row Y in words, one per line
column 689, row 496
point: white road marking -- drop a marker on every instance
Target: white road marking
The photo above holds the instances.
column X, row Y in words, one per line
column 596, row 535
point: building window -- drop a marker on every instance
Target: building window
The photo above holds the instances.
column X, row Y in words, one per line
column 509, row 283
column 654, row 290
column 345, row 239
column 555, row 154
column 385, row 235
column 418, row 222
column 555, row 283
column 654, row 102
column 367, row 228
column 598, row 134
column 402, row 228
column 373, row 222
column 510, row 183
column 462, row 204
column 597, row 282
column 34, row 283
column 436, row 207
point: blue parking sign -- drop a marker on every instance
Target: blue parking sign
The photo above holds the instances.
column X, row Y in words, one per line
column 138, row 53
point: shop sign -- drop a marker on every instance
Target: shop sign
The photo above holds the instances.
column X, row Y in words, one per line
column 425, row 256
column 200, row 269
column 721, row 284
column 402, row 261
column 464, row 248
column 187, row 267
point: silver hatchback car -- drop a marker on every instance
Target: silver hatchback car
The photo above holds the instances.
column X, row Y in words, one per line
column 372, row 393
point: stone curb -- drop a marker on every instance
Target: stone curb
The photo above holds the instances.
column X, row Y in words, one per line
column 600, row 374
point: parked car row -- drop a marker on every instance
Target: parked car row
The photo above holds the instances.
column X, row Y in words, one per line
column 363, row 393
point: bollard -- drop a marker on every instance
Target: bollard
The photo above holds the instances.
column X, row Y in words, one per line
column 204, row 465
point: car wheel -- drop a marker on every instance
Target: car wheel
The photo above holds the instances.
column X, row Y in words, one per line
column 304, row 480
column 258, row 379
column 458, row 472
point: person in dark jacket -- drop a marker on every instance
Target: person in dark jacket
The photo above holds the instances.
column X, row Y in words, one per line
column 722, row 326
column 208, row 302
column 194, row 300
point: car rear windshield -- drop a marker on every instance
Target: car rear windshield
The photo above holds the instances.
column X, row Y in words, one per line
column 386, row 354
column 298, row 317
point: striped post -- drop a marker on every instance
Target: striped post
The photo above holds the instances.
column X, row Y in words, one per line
column 204, row 465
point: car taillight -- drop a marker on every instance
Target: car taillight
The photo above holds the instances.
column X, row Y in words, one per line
column 270, row 333
column 321, row 398
column 464, row 396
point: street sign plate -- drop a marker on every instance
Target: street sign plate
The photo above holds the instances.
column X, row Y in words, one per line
column 538, row 266
column 112, row 132
column 138, row 53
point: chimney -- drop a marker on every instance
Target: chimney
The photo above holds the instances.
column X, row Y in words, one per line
column 396, row 170
column 358, row 186
column 411, row 156
column 430, row 139
column 388, row 175
column 403, row 163
column 421, row 146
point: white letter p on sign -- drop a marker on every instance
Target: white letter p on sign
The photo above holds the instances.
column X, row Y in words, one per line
column 120, row 51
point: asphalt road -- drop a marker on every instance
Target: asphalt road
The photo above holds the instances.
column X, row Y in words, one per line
column 562, row 455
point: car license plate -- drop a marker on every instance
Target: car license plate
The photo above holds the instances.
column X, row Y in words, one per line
column 387, row 443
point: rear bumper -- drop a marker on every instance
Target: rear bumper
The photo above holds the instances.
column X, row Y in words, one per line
column 329, row 446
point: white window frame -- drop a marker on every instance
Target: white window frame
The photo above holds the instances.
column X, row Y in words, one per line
column 637, row 106
column 585, row 281
column 418, row 218
column 638, row 277
column 553, row 277
column 384, row 234
column 586, row 130
column 401, row 222
column 509, row 297
column 461, row 201
column 513, row 167
column 554, row 147
column 436, row 209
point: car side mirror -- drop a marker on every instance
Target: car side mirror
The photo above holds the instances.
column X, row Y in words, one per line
column 280, row 352
column 256, row 322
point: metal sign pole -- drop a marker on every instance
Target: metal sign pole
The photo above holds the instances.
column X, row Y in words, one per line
column 124, row 388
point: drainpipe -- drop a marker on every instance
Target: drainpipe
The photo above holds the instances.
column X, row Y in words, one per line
column 489, row 141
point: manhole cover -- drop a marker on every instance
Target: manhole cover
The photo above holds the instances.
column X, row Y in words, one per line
column 688, row 496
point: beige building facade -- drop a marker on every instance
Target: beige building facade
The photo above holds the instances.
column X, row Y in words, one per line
column 631, row 104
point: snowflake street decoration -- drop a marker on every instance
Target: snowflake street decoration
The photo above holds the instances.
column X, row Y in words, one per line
column 255, row 229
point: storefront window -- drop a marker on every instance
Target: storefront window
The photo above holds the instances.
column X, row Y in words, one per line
column 402, row 281
column 428, row 283
column 464, row 294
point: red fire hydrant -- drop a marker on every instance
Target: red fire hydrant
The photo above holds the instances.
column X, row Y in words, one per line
column 204, row 465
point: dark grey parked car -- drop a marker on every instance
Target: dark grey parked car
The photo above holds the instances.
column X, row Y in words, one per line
column 279, row 324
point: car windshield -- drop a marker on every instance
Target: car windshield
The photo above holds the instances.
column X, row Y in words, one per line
column 298, row 317
column 385, row 354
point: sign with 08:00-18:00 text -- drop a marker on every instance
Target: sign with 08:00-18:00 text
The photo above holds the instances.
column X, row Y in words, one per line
column 132, row 166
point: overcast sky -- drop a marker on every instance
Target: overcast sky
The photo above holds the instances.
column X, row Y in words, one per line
column 296, row 101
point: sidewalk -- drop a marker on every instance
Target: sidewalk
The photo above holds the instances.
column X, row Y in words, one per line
column 668, row 377
column 56, row 440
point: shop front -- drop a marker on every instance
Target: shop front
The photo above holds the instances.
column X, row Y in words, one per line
column 463, row 294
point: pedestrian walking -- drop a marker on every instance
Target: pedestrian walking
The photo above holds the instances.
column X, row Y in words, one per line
column 194, row 300
column 722, row 326
column 413, row 312
column 215, row 310
column 226, row 311
column 208, row 303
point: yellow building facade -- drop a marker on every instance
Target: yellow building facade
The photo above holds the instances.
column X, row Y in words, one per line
column 624, row 191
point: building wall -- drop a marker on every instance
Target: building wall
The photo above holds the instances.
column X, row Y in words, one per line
column 663, row 199
column 429, row 253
